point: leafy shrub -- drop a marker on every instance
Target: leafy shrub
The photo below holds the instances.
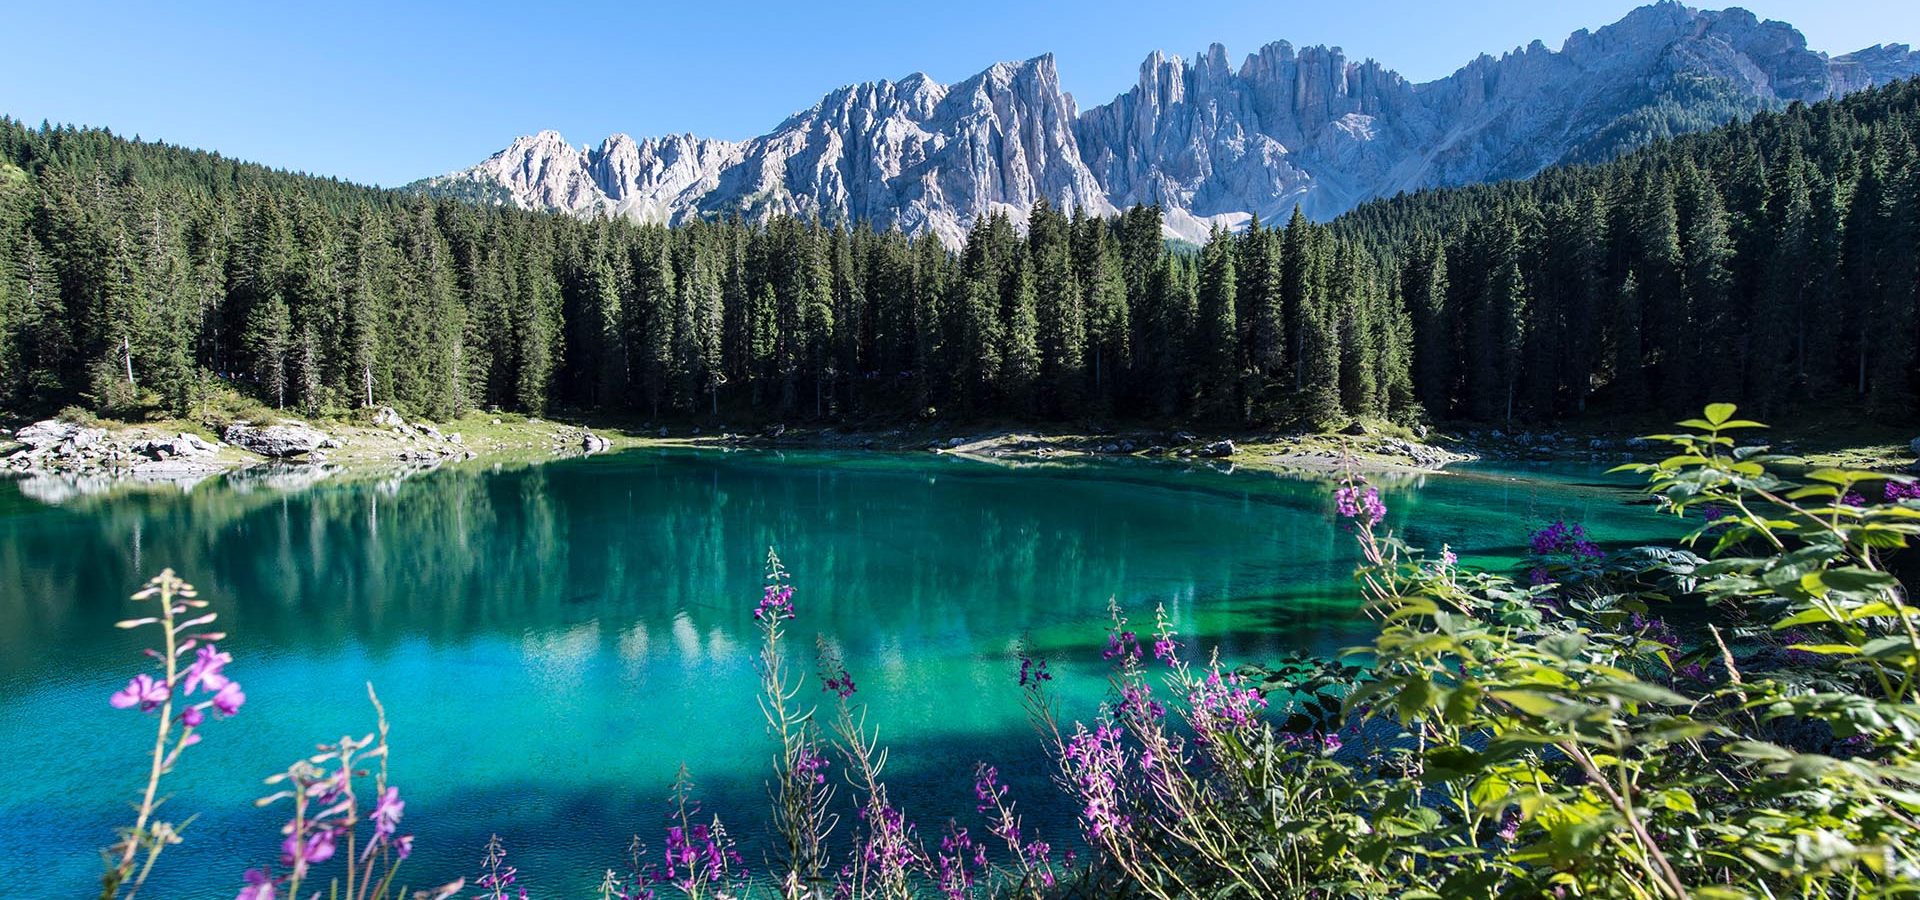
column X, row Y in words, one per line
column 217, row 404
column 78, row 415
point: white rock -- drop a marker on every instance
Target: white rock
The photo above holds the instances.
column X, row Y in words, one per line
column 276, row 440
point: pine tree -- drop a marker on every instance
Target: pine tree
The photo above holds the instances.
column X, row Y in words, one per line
column 1263, row 298
column 1358, row 339
column 1424, row 281
column 269, row 337
column 1214, row 346
column 1020, row 359
column 535, row 331
column 1063, row 325
column 1109, row 323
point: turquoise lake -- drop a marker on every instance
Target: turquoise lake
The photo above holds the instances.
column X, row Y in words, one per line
column 552, row 641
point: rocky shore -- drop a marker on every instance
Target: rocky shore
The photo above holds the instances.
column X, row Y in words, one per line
column 86, row 458
column 1360, row 450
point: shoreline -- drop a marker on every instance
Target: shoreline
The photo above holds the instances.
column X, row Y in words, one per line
column 71, row 458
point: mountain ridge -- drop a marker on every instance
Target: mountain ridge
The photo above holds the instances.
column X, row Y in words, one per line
column 1212, row 143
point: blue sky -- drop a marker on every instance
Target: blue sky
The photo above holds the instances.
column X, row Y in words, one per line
column 388, row 92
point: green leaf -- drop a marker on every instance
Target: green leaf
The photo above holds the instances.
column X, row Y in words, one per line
column 1530, row 702
column 1804, row 617
column 1678, row 801
column 1719, row 413
column 1641, row 691
column 1565, row 646
column 1826, row 649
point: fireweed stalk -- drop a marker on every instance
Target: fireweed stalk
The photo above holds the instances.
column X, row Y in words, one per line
column 700, row 858
column 887, row 850
column 1090, row 765
column 324, row 789
column 1187, row 804
column 1031, row 870
column 800, row 791
column 205, row 676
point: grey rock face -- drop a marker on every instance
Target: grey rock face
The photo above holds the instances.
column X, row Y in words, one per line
column 181, row 445
column 1211, row 143
column 1218, row 450
column 926, row 157
column 277, row 441
column 54, row 435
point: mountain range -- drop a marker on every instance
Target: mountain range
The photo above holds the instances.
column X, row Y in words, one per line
column 1211, row 143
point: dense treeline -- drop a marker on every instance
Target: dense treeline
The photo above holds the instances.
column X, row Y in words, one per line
column 1769, row 260
column 144, row 274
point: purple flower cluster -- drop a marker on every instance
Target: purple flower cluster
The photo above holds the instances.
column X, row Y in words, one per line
column 1653, row 629
column 889, row 849
column 144, row 690
column 1313, row 741
column 1559, row 537
column 1123, row 646
column 312, row 841
column 1223, row 705
column 1137, row 704
column 1006, row 826
column 1719, row 518
column 987, row 788
column 1033, row 672
column 1166, row 649
column 1097, row 765
column 810, row 766
column 841, row 684
column 498, row 877
column 1509, row 826
column 205, row 675
column 1896, row 491
column 1799, row 657
column 1362, row 506
column 698, row 855
column 959, row 863
column 776, row 604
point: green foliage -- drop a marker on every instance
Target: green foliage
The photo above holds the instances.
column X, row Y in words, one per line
column 1560, row 737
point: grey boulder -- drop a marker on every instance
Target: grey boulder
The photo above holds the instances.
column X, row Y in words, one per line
column 277, row 441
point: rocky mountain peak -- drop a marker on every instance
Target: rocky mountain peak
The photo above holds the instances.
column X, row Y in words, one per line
column 1210, row 142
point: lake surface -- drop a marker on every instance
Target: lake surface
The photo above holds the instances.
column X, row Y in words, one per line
column 553, row 641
